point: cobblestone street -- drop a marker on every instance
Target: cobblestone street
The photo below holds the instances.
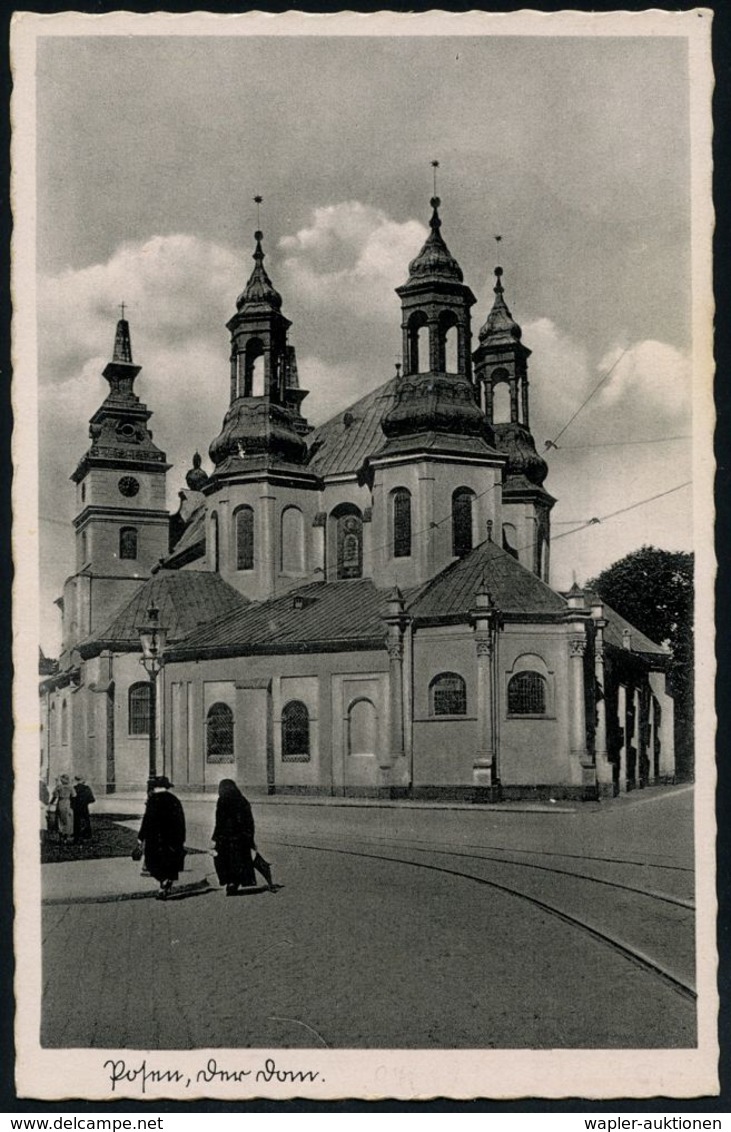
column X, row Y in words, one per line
column 398, row 928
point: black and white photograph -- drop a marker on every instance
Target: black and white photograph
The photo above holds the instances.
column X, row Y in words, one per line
column 363, row 502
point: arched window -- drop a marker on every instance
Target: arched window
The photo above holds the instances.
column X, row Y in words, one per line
column 527, row 694
column 418, row 343
column 220, row 734
column 501, row 408
column 362, row 728
column 213, row 542
column 138, row 713
column 292, row 555
column 254, row 373
column 401, row 523
column 448, row 695
column 84, row 546
column 350, row 545
column 244, row 520
column 295, row 732
column 64, row 722
column 128, row 542
column 462, row 521
column 448, row 343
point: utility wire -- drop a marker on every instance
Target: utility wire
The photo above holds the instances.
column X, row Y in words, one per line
column 618, row 443
column 552, row 443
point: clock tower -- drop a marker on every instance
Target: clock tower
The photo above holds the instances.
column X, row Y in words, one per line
column 121, row 523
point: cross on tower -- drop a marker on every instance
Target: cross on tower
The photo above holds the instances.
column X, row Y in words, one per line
column 258, row 201
column 121, row 307
column 435, row 166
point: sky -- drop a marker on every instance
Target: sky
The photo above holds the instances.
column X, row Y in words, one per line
column 575, row 150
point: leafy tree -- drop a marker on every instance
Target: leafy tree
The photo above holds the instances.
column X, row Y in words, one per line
column 653, row 589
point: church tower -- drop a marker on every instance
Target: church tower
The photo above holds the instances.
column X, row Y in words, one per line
column 121, row 524
column 260, row 493
column 437, row 475
column 501, row 359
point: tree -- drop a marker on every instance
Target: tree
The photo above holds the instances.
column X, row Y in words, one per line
column 653, row 590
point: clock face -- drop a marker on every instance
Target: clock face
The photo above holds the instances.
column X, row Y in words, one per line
column 128, row 486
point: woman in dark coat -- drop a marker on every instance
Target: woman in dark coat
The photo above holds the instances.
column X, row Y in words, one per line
column 233, row 837
column 163, row 835
column 82, row 799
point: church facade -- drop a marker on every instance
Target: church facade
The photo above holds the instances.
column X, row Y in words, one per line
column 358, row 608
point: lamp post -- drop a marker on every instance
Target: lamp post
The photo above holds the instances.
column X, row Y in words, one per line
column 487, row 621
column 152, row 639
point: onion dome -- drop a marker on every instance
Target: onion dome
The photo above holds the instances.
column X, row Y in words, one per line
column 500, row 325
column 196, row 478
column 256, row 429
column 260, row 290
column 435, row 261
column 524, row 462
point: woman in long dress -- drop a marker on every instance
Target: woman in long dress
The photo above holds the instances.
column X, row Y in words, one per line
column 61, row 799
column 163, row 835
column 233, row 837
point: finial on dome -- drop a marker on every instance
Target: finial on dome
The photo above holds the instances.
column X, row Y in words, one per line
column 498, row 288
column 196, row 478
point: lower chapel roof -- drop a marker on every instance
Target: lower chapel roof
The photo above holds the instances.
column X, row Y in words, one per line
column 186, row 599
column 349, row 614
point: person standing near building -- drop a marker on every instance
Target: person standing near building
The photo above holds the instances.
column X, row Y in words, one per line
column 233, row 837
column 162, row 834
column 80, row 802
column 61, row 798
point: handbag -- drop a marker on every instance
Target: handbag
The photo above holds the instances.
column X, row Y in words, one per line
column 263, row 868
column 137, row 853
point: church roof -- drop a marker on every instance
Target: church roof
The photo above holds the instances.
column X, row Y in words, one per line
column 514, row 589
column 500, row 327
column 342, row 444
column 185, row 598
column 320, row 615
column 192, row 542
column 618, row 625
column 434, row 262
column 259, row 289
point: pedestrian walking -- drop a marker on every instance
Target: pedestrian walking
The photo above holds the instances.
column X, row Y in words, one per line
column 233, row 837
column 162, row 835
column 61, row 798
column 80, row 802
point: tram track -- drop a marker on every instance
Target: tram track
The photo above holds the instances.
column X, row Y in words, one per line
column 634, row 954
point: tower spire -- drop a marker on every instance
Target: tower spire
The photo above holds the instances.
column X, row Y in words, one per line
column 122, row 342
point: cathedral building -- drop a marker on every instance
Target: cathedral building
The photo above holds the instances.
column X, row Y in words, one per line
column 361, row 608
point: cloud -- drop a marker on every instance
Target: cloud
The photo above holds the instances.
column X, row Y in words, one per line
column 350, row 259
column 649, row 374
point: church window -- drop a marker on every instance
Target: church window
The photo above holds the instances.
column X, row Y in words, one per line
column 292, row 533
column 83, row 492
column 418, row 343
column 139, row 709
column 295, row 732
column 254, row 369
column 84, row 546
column 448, row 695
column 220, row 734
column 128, row 542
column 350, row 545
column 213, row 555
column 448, row 343
column 244, row 519
column 401, row 523
column 501, row 404
column 527, row 694
column 64, row 722
column 462, row 521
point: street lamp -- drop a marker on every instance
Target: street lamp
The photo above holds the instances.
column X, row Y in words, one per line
column 152, row 639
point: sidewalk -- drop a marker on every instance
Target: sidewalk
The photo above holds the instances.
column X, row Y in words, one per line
column 119, row 878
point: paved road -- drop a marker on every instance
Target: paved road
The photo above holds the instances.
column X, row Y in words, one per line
column 399, row 928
